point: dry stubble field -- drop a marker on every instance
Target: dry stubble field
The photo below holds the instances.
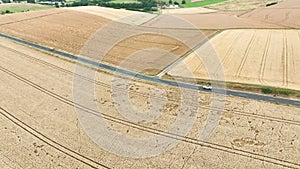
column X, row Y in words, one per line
column 286, row 14
column 41, row 130
column 63, row 29
column 215, row 20
column 266, row 57
column 121, row 15
column 234, row 14
column 70, row 30
column 241, row 5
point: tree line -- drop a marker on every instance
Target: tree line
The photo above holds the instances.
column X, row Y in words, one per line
column 142, row 5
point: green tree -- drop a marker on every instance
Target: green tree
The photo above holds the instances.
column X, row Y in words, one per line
column 84, row 2
column 31, row 1
column 183, row 2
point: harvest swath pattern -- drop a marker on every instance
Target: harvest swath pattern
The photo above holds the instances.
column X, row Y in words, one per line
column 267, row 57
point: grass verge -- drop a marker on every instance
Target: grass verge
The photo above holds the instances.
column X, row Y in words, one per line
column 20, row 9
column 124, row 1
column 190, row 4
column 268, row 90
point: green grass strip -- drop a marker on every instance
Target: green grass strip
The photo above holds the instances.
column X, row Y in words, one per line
column 190, row 4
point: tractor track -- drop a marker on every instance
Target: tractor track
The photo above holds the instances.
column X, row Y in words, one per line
column 114, row 36
column 228, row 52
column 264, row 59
column 285, row 60
column 213, row 146
column 32, row 18
column 292, row 59
column 174, row 101
column 238, row 74
column 63, row 149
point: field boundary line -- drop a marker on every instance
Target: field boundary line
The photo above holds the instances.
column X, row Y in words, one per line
column 188, row 53
column 147, row 21
column 28, row 19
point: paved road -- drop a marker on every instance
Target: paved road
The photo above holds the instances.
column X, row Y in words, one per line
column 154, row 79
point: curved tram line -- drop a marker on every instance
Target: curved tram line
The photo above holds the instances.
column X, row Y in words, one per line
column 65, row 150
column 246, row 54
column 264, row 59
column 213, row 146
column 285, row 60
column 124, row 72
column 175, row 101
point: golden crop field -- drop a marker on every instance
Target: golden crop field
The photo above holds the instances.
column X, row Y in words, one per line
column 267, row 57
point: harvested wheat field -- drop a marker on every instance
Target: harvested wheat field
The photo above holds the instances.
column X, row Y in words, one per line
column 121, row 15
column 187, row 10
column 137, row 54
column 286, row 14
column 57, row 28
column 141, row 49
column 241, row 5
column 40, row 128
column 101, row 39
column 18, row 17
column 219, row 20
column 267, row 57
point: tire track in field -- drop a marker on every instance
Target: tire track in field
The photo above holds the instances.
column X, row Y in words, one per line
column 228, row 53
column 213, row 146
column 285, row 60
column 201, row 66
column 238, row 74
column 137, row 93
column 36, row 17
column 292, row 59
column 264, row 59
column 50, row 142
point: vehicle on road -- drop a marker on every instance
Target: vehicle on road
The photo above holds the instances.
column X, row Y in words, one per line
column 207, row 87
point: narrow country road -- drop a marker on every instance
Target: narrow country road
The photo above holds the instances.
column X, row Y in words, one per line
column 155, row 79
